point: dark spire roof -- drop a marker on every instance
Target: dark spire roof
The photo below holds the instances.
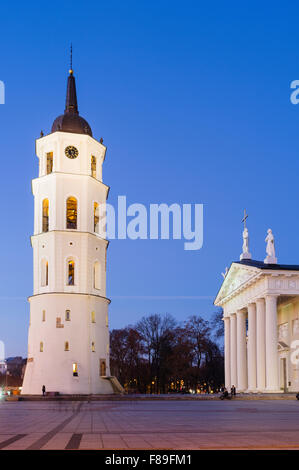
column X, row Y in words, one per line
column 71, row 105
column 70, row 121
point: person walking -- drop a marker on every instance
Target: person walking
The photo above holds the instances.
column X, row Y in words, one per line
column 44, row 390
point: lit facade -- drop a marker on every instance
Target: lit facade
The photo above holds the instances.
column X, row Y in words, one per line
column 260, row 302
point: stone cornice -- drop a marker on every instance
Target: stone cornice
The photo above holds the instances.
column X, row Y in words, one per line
column 261, row 283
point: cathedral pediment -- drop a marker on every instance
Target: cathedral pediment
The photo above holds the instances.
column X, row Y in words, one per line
column 237, row 276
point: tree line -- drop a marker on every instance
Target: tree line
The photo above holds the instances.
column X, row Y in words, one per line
column 159, row 355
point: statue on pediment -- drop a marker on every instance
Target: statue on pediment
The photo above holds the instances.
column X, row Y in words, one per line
column 270, row 248
column 245, row 248
column 245, row 241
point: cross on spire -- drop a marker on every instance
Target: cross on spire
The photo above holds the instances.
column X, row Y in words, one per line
column 244, row 218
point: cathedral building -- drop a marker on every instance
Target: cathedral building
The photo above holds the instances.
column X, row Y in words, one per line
column 68, row 344
column 260, row 301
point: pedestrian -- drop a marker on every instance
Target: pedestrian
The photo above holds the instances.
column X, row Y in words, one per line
column 44, row 390
column 233, row 391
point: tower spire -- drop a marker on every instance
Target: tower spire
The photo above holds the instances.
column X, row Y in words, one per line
column 71, row 105
column 71, row 59
column 70, row 121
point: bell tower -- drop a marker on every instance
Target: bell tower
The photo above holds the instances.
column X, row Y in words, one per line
column 68, row 343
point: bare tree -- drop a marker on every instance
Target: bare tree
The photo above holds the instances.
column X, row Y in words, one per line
column 217, row 323
column 157, row 355
column 155, row 331
column 198, row 332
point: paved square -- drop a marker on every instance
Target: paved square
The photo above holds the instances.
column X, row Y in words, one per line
column 213, row 424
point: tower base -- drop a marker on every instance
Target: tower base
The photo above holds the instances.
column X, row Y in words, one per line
column 68, row 354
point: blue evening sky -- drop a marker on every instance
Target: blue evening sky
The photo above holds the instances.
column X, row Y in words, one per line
column 193, row 102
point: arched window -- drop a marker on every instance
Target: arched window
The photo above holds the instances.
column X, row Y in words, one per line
column 41, row 346
column 102, row 367
column 71, row 213
column 71, row 272
column 44, row 315
column 49, row 162
column 93, row 166
column 75, row 369
column 93, row 347
column 66, row 346
column 93, row 316
column 67, row 315
column 45, row 215
column 97, row 275
column 44, row 273
column 96, row 217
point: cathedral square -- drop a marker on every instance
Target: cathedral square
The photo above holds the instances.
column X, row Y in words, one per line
column 149, row 281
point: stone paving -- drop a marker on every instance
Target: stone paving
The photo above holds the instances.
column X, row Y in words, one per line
column 237, row 424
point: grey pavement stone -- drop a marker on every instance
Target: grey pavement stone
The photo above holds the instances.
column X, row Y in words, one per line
column 260, row 424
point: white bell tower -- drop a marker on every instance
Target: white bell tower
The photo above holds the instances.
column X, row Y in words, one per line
column 68, row 345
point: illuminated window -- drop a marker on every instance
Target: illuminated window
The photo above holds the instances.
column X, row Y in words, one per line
column 71, row 213
column 96, row 217
column 93, row 317
column 102, row 367
column 45, row 215
column 107, row 324
column 97, row 275
column 49, row 162
column 71, row 273
column 67, row 315
column 44, row 315
column 93, row 348
column 93, row 166
column 66, row 346
column 41, row 346
column 75, row 369
column 44, row 273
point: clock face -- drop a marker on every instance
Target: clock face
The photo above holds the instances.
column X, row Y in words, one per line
column 71, row 152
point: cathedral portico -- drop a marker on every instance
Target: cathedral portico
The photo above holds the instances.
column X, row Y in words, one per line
column 260, row 302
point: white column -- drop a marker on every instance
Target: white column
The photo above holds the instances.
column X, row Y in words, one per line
column 241, row 351
column 271, row 344
column 252, row 347
column 227, row 361
column 260, row 345
column 233, row 349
